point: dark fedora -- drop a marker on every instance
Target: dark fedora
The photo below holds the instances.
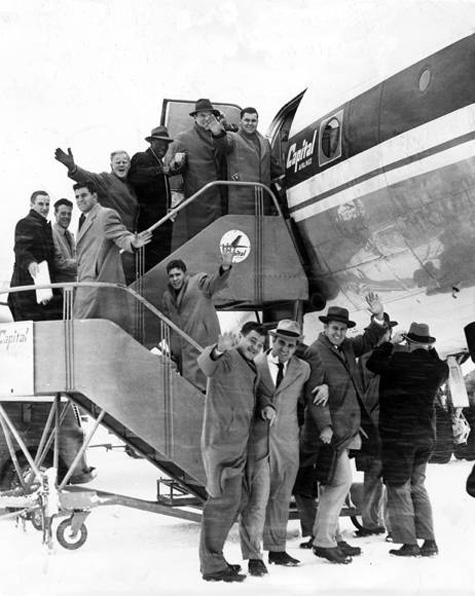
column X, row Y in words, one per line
column 204, row 105
column 388, row 323
column 337, row 313
column 160, row 133
column 419, row 333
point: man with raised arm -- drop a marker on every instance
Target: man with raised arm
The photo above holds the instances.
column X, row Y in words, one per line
column 229, row 410
column 188, row 302
column 332, row 358
column 113, row 191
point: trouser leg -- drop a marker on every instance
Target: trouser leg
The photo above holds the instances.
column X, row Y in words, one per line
column 255, row 497
column 307, row 508
column 331, row 500
column 424, row 525
column 401, row 513
column 277, row 512
column 373, row 492
column 219, row 514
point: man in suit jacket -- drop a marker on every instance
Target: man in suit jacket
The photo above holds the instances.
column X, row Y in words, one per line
column 149, row 177
column 113, row 190
column 332, row 358
column 33, row 245
column 66, row 268
column 99, row 241
column 273, row 458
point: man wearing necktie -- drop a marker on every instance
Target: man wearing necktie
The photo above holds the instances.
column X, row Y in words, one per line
column 64, row 243
column 273, row 458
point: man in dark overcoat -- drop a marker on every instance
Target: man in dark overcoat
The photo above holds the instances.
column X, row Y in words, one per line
column 228, row 416
column 149, row 177
column 409, row 380
column 332, row 358
column 33, row 245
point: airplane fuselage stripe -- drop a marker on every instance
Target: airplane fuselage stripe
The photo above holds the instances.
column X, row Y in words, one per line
column 387, row 168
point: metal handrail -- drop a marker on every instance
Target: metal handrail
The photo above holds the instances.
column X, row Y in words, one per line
column 96, row 284
column 206, row 187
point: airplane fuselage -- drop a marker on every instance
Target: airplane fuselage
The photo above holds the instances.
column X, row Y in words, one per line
column 382, row 190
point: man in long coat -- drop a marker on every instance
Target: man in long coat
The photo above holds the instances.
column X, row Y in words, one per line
column 202, row 165
column 113, row 191
column 99, row 241
column 188, row 302
column 332, row 358
column 228, row 416
column 149, row 177
column 33, row 245
column 249, row 159
column 409, row 380
column 273, row 459
column 64, row 243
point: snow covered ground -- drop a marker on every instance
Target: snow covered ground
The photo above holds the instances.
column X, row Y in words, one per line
column 133, row 553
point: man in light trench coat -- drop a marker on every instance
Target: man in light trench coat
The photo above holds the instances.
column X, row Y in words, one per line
column 229, row 411
column 273, row 458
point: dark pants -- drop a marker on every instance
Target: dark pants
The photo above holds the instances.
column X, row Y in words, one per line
column 409, row 507
column 219, row 514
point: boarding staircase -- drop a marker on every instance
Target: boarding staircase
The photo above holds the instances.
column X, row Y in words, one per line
column 138, row 394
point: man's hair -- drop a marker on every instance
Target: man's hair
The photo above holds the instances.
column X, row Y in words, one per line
column 91, row 187
column 253, row 326
column 176, row 264
column 119, row 152
column 61, row 202
column 249, row 111
column 37, row 194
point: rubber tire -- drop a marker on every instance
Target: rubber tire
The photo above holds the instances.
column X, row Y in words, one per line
column 63, row 538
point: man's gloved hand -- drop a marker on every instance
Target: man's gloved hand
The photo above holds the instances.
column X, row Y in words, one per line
column 66, row 159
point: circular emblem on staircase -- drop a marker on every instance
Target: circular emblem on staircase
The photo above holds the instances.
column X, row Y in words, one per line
column 237, row 240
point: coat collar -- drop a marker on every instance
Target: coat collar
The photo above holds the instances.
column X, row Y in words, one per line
column 90, row 217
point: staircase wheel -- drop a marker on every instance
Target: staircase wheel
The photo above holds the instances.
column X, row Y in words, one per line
column 65, row 537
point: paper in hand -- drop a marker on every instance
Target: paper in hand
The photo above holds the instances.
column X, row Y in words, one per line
column 43, row 279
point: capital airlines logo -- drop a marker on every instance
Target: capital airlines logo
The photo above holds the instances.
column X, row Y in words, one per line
column 299, row 158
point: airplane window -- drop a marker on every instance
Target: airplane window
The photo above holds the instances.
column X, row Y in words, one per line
column 331, row 146
column 424, row 79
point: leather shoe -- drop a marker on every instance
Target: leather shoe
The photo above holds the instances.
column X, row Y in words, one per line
column 225, row 575
column 307, row 544
column 332, row 554
column 347, row 549
column 429, row 548
column 282, row 558
column 370, row 531
column 406, row 550
column 257, row 568
column 235, row 567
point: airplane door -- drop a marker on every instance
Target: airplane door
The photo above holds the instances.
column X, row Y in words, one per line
column 176, row 114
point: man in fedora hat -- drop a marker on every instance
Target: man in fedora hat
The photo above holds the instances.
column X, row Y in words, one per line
column 195, row 157
column 273, row 457
column 332, row 358
column 409, row 380
column 149, row 177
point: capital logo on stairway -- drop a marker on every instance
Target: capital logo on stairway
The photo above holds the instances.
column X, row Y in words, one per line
column 237, row 241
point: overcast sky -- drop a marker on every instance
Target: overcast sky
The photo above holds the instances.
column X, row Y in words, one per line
column 92, row 74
